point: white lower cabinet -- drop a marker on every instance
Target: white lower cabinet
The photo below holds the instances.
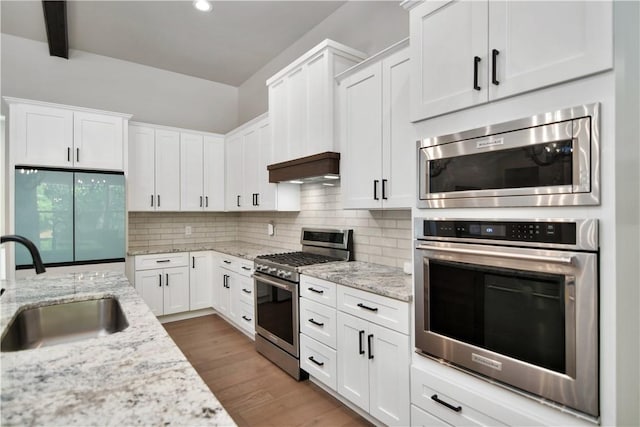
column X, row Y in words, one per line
column 319, row 360
column 201, row 280
column 163, row 282
column 233, row 292
column 373, row 368
column 420, row 418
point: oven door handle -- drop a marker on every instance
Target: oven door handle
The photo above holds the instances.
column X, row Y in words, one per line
column 280, row 285
column 555, row 259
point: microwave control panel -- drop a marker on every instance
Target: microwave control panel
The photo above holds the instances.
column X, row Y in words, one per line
column 515, row 231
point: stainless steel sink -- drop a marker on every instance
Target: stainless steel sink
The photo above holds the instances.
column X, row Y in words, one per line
column 63, row 323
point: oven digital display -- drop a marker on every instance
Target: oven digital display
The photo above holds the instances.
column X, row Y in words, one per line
column 493, row 230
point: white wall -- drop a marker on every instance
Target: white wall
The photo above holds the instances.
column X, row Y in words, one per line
column 87, row 80
column 369, row 26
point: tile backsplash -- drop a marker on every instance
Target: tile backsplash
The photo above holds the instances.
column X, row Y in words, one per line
column 380, row 237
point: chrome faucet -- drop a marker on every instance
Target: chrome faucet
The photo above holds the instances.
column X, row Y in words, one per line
column 37, row 261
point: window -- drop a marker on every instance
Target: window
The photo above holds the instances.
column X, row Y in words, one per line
column 71, row 216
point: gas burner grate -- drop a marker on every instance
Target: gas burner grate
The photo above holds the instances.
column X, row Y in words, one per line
column 298, row 259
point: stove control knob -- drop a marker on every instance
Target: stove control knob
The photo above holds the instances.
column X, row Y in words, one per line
column 286, row 274
column 272, row 270
column 280, row 273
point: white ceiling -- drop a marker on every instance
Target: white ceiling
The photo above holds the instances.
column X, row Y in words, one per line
column 227, row 45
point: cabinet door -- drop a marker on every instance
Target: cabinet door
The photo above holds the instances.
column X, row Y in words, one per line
column 191, row 172
column 546, row 42
column 141, row 177
column 319, row 106
column 98, row 141
column 278, row 119
column 361, row 102
column 42, row 136
column 266, row 199
column 251, row 164
column 296, row 88
column 214, row 179
column 201, row 280
column 149, row 284
column 353, row 364
column 446, row 39
column 176, row 290
column 167, row 170
column 398, row 135
column 234, row 287
column 389, row 362
column 234, row 178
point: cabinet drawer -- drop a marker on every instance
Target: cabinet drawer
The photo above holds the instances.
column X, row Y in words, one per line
column 432, row 394
column 229, row 262
column 318, row 321
column 384, row 311
column 246, row 291
column 318, row 360
column 148, row 262
column 245, row 268
column 420, row 418
column 246, row 317
column 318, row 290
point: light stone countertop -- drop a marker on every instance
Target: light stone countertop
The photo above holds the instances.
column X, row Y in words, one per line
column 378, row 279
column 238, row 249
column 134, row 377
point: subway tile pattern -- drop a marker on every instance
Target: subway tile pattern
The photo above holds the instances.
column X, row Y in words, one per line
column 380, row 237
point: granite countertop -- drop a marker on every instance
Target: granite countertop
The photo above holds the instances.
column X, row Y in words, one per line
column 238, row 249
column 134, row 377
column 379, row 279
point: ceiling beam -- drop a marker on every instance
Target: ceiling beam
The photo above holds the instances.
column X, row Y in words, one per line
column 55, row 19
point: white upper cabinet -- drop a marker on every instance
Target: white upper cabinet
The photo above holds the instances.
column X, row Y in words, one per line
column 154, row 169
column 44, row 134
column 467, row 53
column 201, row 172
column 378, row 141
column 248, row 152
column 301, row 102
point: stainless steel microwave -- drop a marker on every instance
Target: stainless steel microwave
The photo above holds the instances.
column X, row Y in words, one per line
column 550, row 159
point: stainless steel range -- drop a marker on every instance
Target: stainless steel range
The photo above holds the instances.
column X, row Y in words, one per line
column 276, row 280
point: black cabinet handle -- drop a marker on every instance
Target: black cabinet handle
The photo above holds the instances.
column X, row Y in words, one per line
column 476, row 61
column 193, row 262
column 366, row 307
column 238, row 200
column 494, row 71
column 226, row 262
column 315, row 361
column 200, row 201
column 246, row 291
column 316, row 323
column 244, row 267
column 370, row 345
column 448, row 405
column 384, row 189
column 248, row 319
column 375, row 189
column 253, row 199
column 77, row 155
column 317, row 291
column 167, row 283
column 257, row 199
column 224, row 281
column 160, row 261
column 160, row 280
column 152, row 200
column 158, row 200
column 68, row 154
column 206, row 201
column 361, row 342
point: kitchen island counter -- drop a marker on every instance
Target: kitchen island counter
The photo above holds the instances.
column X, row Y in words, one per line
column 134, row 377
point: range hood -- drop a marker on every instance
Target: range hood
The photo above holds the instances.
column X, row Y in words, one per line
column 321, row 167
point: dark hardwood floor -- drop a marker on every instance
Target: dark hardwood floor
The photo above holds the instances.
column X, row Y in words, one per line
column 253, row 390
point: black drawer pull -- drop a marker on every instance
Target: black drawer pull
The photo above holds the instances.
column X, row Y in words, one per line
column 226, row 262
column 448, row 405
column 248, row 319
column 361, row 342
column 163, row 260
column 315, row 361
column 316, row 323
column 366, row 307
column 246, row 291
column 246, row 268
column 317, row 291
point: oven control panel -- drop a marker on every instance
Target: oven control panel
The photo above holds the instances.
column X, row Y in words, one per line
column 516, row 231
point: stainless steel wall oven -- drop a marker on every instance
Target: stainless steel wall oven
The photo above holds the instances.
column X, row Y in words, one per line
column 550, row 159
column 512, row 300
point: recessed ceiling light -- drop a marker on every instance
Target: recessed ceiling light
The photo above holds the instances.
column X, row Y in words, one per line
column 203, row 5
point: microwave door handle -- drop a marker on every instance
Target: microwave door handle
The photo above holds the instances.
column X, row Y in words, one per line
column 539, row 258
